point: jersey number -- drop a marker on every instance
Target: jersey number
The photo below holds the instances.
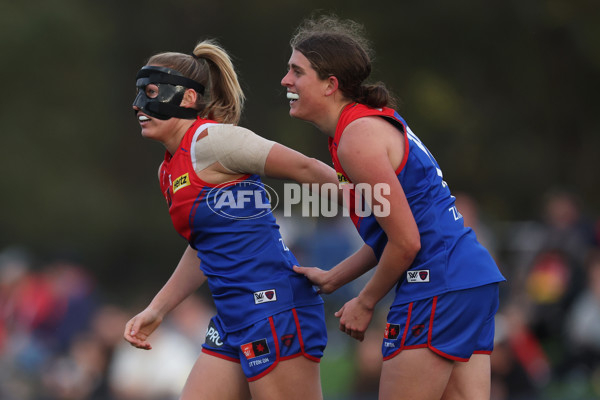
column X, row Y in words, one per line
column 420, row 145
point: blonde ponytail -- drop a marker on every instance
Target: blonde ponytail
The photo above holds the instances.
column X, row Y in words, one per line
column 226, row 98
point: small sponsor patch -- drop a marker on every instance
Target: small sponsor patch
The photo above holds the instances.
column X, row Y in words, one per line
column 260, row 361
column 417, row 276
column 181, row 182
column 342, row 178
column 417, row 329
column 288, row 340
column 265, row 296
column 391, row 331
column 212, row 336
column 255, row 349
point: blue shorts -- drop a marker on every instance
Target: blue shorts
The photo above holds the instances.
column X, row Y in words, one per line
column 454, row 325
column 260, row 347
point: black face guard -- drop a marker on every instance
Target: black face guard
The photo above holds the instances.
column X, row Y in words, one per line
column 171, row 87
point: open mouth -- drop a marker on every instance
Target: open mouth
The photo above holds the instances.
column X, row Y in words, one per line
column 143, row 118
column 292, row 96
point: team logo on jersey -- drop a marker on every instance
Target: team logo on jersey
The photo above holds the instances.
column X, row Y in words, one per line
column 391, row 331
column 417, row 276
column 342, row 179
column 181, row 182
column 255, row 349
column 265, row 296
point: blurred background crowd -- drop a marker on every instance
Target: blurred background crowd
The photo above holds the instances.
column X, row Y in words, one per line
column 504, row 94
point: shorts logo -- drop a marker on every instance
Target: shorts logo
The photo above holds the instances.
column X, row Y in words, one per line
column 181, row 182
column 265, row 296
column 417, row 329
column 288, row 340
column 255, row 349
column 391, row 331
column 212, row 336
column 418, row 276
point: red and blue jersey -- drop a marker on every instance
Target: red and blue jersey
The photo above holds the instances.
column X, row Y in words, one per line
column 241, row 251
column 450, row 258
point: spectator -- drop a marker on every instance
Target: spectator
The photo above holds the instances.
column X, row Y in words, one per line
column 582, row 325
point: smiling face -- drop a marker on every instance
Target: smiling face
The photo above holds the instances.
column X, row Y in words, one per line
column 154, row 128
column 170, row 131
column 305, row 90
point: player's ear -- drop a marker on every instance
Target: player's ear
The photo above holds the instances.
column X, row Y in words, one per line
column 189, row 98
column 332, row 85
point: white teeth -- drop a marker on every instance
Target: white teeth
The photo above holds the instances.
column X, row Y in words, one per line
column 292, row 96
column 143, row 118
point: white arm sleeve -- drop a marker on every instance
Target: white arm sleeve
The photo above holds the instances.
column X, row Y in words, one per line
column 238, row 149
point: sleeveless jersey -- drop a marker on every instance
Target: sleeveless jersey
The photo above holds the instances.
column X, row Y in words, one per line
column 450, row 258
column 247, row 265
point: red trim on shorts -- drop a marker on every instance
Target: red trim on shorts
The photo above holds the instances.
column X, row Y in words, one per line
column 301, row 341
column 410, row 307
column 482, row 352
column 427, row 345
column 414, row 346
column 445, row 355
column 429, row 333
column 436, row 351
column 291, row 357
column 394, row 354
column 275, row 338
column 219, row 355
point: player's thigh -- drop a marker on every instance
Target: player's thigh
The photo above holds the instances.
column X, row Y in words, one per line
column 414, row 374
column 215, row 378
column 294, row 379
column 470, row 380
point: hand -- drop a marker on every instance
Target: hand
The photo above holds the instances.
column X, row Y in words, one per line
column 318, row 277
column 354, row 318
column 140, row 327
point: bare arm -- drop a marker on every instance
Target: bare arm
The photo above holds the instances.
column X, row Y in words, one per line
column 372, row 142
column 229, row 151
column 346, row 271
column 285, row 163
column 186, row 278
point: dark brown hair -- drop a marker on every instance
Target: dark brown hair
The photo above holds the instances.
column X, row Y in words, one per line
column 339, row 48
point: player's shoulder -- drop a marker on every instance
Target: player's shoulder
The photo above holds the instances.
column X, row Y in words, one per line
column 365, row 131
column 228, row 130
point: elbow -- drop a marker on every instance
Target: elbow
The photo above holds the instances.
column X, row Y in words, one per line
column 411, row 248
column 404, row 251
column 414, row 248
column 308, row 170
column 312, row 165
